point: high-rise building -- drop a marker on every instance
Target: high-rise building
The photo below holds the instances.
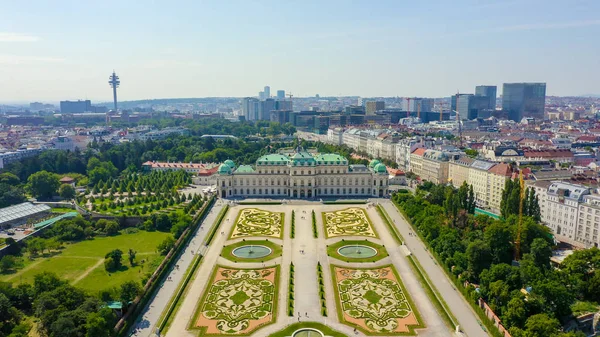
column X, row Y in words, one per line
column 417, row 104
column 280, row 94
column 524, row 100
column 267, row 92
column 471, row 106
column 372, row 106
column 250, row 108
column 261, row 95
column 488, row 91
column 69, row 107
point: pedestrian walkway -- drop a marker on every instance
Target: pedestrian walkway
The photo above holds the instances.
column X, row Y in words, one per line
column 146, row 325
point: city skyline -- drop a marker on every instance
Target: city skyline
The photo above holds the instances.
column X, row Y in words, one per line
column 215, row 50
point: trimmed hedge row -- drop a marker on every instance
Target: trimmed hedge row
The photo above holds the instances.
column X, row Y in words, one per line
column 293, row 231
column 123, row 325
column 321, row 289
column 314, row 225
column 291, row 291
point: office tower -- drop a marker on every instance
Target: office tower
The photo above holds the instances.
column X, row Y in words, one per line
column 471, row 106
column 250, row 108
column 267, row 92
column 359, row 101
column 524, row 100
column 488, row 91
column 372, row 106
column 283, row 105
column 264, row 109
column 281, row 94
column 69, row 107
column 114, row 83
column 416, row 104
column 261, row 95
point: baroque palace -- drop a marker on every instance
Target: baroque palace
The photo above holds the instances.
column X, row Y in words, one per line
column 301, row 174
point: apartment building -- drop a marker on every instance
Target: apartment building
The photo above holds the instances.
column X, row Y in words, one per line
column 487, row 179
column 431, row 165
column 571, row 211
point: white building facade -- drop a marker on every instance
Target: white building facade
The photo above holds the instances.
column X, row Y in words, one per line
column 302, row 175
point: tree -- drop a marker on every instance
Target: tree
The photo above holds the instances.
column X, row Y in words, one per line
column 114, row 257
column 165, row 246
column 515, row 313
column 533, row 206
column 541, row 325
column 45, row 282
column 36, row 245
column 9, row 179
column 111, row 228
column 10, row 195
column 100, row 324
column 541, row 252
column 478, row 258
column 7, row 263
column 131, row 256
column 129, row 291
column 43, row 184
column 66, row 191
column 499, row 238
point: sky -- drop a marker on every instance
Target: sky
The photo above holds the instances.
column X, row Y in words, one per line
column 57, row 50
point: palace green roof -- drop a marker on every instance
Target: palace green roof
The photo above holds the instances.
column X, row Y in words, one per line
column 373, row 163
column 330, row 159
column 245, row 169
column 303, row 158
column 224, row 169
column 380, row 168
column 229, row 163
column 273, row 159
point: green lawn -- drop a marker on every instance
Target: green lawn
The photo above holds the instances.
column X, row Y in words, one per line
column 81, row 263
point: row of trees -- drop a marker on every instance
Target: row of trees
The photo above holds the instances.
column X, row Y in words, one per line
column 153, row 182
column 481, row 250
column 511, row 198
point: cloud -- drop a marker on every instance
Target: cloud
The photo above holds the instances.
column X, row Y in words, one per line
column 16, row 37
column 20, row 59
column 543, row 26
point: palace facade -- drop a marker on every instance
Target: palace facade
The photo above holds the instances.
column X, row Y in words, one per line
column 302, row 175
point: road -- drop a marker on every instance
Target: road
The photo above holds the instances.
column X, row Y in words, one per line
column 468, row 320
column 146, row 323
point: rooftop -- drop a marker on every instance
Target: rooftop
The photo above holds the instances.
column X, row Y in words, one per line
column 25, row 209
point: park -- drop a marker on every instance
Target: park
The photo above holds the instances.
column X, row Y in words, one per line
column 340, row 273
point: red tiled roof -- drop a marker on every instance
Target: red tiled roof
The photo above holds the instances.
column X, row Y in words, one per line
column 550, row 153
column 501, row 169
column 419, row 152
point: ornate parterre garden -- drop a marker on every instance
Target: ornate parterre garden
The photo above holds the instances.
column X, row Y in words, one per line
column 238, row 301
column 241, row 295
column 348, row 222
column 254, row 222
column 374, row 300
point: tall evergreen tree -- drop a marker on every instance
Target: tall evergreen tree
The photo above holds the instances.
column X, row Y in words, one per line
column 471, row 200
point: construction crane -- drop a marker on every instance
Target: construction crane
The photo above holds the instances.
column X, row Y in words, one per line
column 441, row 111
column 520, row 224
column 290, row 96
column 458, row 121
column 419, row 111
